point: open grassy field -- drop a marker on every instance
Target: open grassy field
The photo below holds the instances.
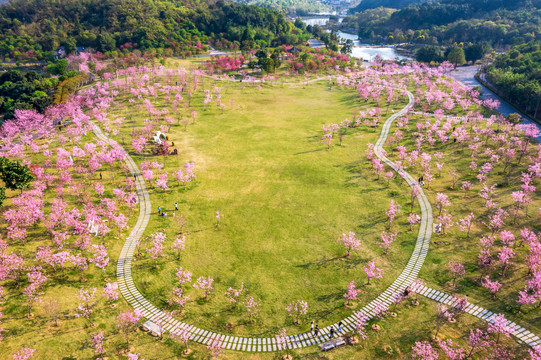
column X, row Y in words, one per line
column 286, row 200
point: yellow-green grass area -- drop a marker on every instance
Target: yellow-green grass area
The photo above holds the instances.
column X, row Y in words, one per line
column 286, row 200
column 71, row 336
column 394, row 341
column 454, row 245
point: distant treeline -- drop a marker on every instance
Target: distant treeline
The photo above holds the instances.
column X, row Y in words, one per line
column 498, row 22
column 35, row 29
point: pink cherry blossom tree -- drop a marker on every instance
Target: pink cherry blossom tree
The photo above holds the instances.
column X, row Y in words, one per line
column 492, row 286
column 297, row 309
column 85, row 308
column 97, row 344
column 156, row 249
column 372, row 271
column 183, row 276
column 394, row 209
column 498, row 325
column 110, row 291
column 457, row 270
column 413, row 219
column 233, row 295
column 252, row 306
column 424, row 351
column 465, row 224
column 205, row 284
column 179, row 244
column 350, row 242
column 23, row 354
column 216, row 347
column 386, row 241
column 126, row 323
column 352, row 292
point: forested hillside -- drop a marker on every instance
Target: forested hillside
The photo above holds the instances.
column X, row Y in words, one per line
column 517, row 75
column 393, row 4
column 499, row 22
column 33, row 29
column 291, row 7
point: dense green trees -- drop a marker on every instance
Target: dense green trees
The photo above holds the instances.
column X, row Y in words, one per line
column 447, row 22
column 517, row 75
column 24, row 91
column 33, row 29
column 456, row 56
column 430, row 53
column 14, row 175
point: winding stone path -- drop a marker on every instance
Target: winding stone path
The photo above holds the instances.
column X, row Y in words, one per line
column 202, row 336
column 481, row 313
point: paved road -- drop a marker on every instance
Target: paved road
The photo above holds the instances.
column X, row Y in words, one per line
column 466, row 75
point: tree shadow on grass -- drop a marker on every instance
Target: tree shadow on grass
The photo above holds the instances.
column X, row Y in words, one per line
column 309, row 151
column 324, row 261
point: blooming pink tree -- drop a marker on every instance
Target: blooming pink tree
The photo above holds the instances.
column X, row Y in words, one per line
column 110, row 291
column 205, row 284
column 442, row 201
column 178, row 298
column 498, row 325
column 297, row 309
column 478, row 339
column 413, row 219
column 380, row 310
column 253, row 307
column 504, row 256
column 179, row 244
column 216, row 347
column 386, row 241
column 465, row 224
column 32, row 291
column 85, row 308
column 372, row 271
column 126, row 323
column 394, row 209
column 424, row 351
column 233, row 295
column 97, row 344
column 181, row 335
column 493, row 286
column 283, row 341
column 451, row 351
column 457, row 270
column 218, row 218
column 361, row 322
column 183, row 276
column 352, row 292
column 156, row 249
column 23, row 354
column 350, row 242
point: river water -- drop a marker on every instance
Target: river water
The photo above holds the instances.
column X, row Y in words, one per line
column 359, row 50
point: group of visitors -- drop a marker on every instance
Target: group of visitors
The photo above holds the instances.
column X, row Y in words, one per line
column 163, row 213
column 315, row 330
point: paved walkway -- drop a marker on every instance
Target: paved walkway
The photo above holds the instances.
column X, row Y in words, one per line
column 137, row 300
column 483, row 314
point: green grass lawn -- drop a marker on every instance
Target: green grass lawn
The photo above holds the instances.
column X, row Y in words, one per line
column 286, row 199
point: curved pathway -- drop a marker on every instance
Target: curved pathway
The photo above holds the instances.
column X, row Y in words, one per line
column 481, row 313
column 151, row 312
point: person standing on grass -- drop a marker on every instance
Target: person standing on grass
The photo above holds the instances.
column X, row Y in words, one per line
column 159, row 209
column 176, row 207
column 312, row 326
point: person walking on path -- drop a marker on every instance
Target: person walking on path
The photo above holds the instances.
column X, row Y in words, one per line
column 340, row 326
column 312, row 326
column 331, row 334
column 135, row 177
column 316, row 331
column 176, row 207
